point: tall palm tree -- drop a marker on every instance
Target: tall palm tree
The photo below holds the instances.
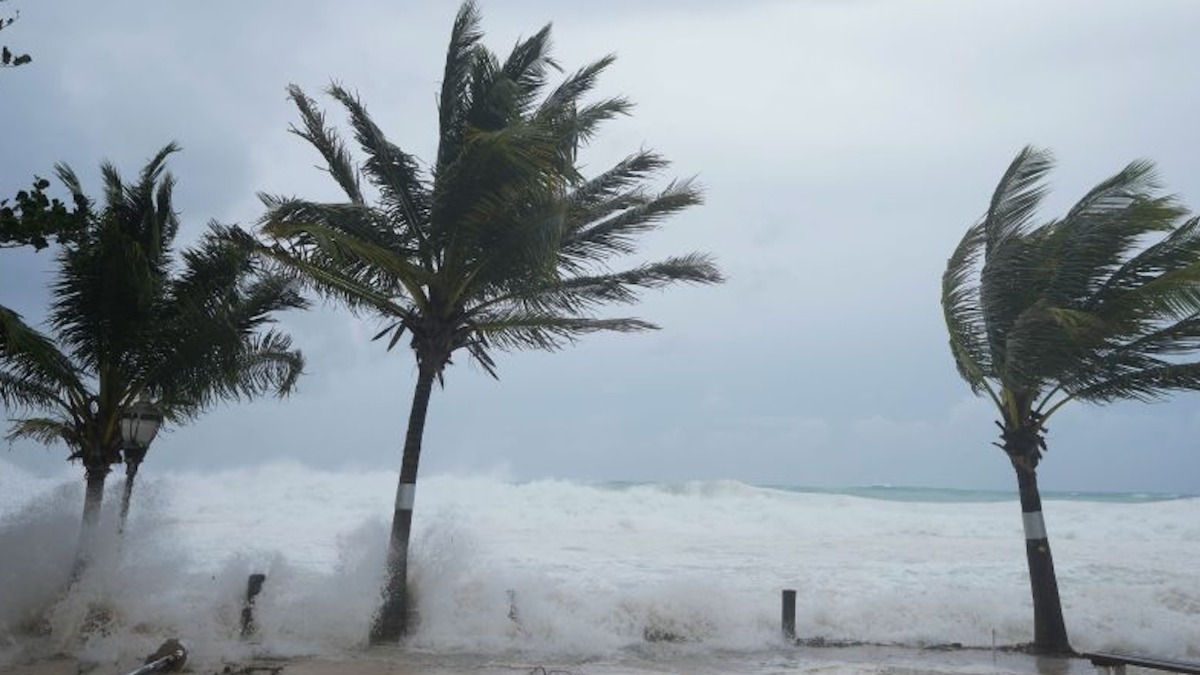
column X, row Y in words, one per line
column 131, row 320
column 1100, row 305
column 501, row 244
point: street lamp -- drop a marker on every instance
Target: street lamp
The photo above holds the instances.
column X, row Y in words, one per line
column 138, row 426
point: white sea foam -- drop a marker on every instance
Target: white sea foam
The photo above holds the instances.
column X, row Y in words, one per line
column 593, row 569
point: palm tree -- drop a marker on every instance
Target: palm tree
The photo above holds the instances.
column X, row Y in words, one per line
column 501, row 244
column 1100, row 305
column 132, row 322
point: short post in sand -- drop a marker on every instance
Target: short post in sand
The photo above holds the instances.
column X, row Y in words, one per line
column 253, row 587
column 789, row 614
column 512, row 606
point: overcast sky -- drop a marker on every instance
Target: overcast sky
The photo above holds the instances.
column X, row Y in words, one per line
column 845, row 146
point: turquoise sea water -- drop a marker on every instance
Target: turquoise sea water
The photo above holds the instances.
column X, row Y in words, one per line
column 938, row 495
column 952, row 495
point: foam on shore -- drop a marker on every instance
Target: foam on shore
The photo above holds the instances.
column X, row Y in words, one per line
column 593, row 569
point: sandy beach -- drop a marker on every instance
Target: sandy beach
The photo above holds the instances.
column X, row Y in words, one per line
column 827, row 661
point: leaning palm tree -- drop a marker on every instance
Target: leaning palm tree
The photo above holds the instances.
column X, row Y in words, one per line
column 133, row 321
column 1100, row 305
column 501, row 244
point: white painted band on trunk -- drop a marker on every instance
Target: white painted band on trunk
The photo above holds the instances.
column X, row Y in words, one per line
column 406, row 495
column 1035, row 527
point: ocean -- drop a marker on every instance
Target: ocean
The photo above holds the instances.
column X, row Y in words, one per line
column 594, row 578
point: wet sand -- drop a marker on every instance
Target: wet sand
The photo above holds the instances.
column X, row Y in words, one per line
column 826, row 661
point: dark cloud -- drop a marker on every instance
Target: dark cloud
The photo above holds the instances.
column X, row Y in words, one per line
column 845, row 146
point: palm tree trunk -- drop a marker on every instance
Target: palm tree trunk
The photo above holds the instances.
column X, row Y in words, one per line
column 1049, row 629
column 392, row 621
column 94, row 473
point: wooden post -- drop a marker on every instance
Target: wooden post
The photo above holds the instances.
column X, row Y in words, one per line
column 789, row 614
column 253, row 587
column 512, row 606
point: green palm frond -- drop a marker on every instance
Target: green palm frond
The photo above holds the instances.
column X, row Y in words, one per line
column 578, row 129
column 333, row 282
column 1017, row 197
column 44, row 430
column 1094, row 239
column 567, row 95
column 621, row 220
column 265, row 363
column 1145, row 384
column 353, row 255
column 1179, row 249
column 526, row 68
column 1100, row 305
column 515, row 329
column 585, row 294
column 1047, row 342
column 454, row 103
column 71, row 181
column 962, row 312
column 34, row 373
column 358, row 224
column 1170, row 340
column 326, row 140
column 21, row 393
column 394, row 172
column 1171, row 292
column 1014, row 277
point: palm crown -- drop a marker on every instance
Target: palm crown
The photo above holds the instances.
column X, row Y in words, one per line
column 131, row 322
column 1084, row 307
column 502, row 243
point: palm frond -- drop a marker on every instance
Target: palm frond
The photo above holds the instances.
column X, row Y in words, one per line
column 34, row 373
column 265, row 363
column 566, row 96
column 1161, row 283
column 44, row 430
column 579, row 128
column 1144, row 384
column 340, row 245
column 526, row 68
column 333, row 282
column 394, row 172
column 581, row 295
column 1095, row 237
column 21, row 393
column 454, row 102
column 1016, row 197
column 325, row 139
column 962, row 312
column 624, row 217
column 71, row 181
column 516, row 329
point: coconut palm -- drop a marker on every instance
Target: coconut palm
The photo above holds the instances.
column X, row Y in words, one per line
column 1100, row 305
column 501, row 244
column 133, row 321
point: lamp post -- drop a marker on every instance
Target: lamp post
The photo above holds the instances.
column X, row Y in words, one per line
column 139, row 425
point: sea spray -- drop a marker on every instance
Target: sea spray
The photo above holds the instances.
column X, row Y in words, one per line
column 598, row 570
